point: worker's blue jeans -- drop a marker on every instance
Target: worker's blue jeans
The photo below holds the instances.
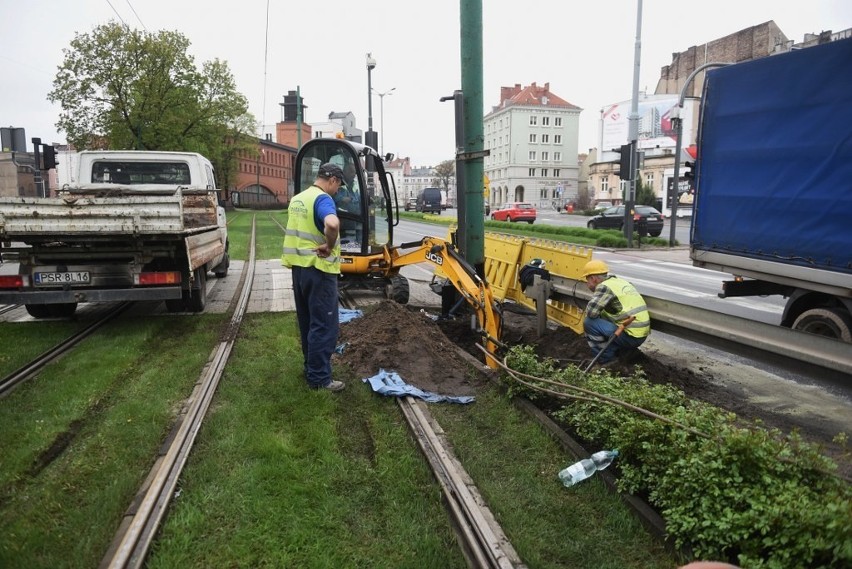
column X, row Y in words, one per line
column 599, row 330
column 315, row 293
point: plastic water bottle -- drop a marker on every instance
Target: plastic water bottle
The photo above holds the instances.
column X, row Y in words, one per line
column 581, row 470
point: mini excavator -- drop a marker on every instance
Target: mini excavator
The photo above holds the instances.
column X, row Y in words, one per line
column 368, row 209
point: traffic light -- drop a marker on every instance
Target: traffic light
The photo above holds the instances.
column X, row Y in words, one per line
column 625, row 164
column 48, row 157
column 689, row 171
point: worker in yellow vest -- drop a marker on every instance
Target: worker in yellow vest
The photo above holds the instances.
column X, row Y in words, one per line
column 312, row 251
column 613, row 302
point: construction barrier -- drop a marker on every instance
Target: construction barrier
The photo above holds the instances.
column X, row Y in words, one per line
column 506, row 255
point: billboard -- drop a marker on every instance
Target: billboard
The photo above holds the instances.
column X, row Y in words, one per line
column 656, row 128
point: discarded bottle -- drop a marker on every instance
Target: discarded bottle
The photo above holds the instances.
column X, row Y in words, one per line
column 581, row 470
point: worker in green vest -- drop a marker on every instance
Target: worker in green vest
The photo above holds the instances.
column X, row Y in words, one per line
column 613, row 302
column 312, row 251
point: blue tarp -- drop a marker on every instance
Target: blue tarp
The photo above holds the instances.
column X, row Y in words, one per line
column 346, row 314
column 774, row 167
column 391, row 384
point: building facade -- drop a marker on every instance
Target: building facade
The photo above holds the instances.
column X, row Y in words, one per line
column 264, row 177
column 656, row 138
column 531, row 136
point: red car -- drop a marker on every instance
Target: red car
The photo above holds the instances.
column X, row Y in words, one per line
column 515, row 211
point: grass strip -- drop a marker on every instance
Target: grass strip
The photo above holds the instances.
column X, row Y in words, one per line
column 514, row 463
column 79, row 439
column 31, row 339
column 283, row 476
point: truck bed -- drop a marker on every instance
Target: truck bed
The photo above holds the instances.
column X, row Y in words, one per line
column 81, row 216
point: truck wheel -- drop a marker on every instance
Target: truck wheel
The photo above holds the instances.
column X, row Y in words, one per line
column 831, row 322
column 38, row 310
column 175, row 305
column 198, row 293
column 63, row 310
column 397, row 289
column 221, row 270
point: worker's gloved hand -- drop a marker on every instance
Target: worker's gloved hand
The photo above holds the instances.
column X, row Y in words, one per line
column 530, row 270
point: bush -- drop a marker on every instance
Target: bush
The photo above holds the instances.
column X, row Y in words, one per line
column 752, row 496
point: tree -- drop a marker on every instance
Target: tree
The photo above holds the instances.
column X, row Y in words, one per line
column 443, row 172
column 120, row 88
column 645, row 194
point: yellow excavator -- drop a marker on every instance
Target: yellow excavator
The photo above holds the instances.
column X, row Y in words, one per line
column 368, row 209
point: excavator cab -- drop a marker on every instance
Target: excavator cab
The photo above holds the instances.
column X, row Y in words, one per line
column 366, row 202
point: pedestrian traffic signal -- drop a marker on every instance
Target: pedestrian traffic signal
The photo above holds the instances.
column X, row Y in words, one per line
column 689, row 170
column 48, row 157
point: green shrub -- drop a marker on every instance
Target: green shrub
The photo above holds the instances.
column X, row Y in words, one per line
column 750, row 495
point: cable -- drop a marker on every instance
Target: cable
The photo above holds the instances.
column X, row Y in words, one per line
column 135, row 14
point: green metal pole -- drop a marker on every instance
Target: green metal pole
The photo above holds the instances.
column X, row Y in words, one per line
column 474, row 143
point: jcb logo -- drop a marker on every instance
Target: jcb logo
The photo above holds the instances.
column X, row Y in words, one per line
column 435, row 258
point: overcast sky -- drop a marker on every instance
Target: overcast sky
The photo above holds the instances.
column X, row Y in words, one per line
column 585, row 50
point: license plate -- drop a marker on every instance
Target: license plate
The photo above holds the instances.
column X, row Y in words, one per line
column 69, row 277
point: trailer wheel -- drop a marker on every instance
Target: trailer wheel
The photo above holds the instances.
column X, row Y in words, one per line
column 397, row 289
column 38, row 310
column 831, row 322
column 198, row 293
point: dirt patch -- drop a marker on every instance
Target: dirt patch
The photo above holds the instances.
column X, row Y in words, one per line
column 423, row 351
column 392, row 337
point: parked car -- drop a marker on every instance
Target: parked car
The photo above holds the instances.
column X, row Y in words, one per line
column 411, row 204
column 515, row 211
column 613, row 218
column 603, row 205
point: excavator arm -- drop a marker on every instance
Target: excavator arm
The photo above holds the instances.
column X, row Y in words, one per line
column 463, row 277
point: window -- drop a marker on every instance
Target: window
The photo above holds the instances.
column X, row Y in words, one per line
column 545, row 156
column 557, row 121
column 556, row 172
column 649, row 179
column 545, row 121
column 532, row 155
column 532, row 172
column 545, row 138
column 557, row 139
column 544, row 172
column 557, row 157
column 605, row 184
column 532, row 139
column 533, row 120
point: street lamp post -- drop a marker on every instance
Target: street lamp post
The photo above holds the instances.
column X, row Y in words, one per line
column 382, row 114
column 371, row 136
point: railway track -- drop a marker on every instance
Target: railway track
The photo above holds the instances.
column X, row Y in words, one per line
column 28, row 370
column 140, row 524
column 482, row 540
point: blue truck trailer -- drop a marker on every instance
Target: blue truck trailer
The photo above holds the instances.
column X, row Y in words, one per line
column 773, row 178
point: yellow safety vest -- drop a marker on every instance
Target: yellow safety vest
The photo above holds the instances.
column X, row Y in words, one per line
column 632, row 303
column 302, row 237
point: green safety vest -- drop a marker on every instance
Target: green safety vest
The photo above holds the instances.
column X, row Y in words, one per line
column 302, row 237
column 633, row 304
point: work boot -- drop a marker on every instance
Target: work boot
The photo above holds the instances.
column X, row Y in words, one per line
column 334, row 385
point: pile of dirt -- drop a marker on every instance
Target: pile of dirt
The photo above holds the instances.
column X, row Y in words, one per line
column 392, row 337
column 424, row 352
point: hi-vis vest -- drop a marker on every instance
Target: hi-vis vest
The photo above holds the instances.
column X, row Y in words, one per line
column 632, row 303
column 302, row 236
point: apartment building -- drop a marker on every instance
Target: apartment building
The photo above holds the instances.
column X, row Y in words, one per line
column 531, row 136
